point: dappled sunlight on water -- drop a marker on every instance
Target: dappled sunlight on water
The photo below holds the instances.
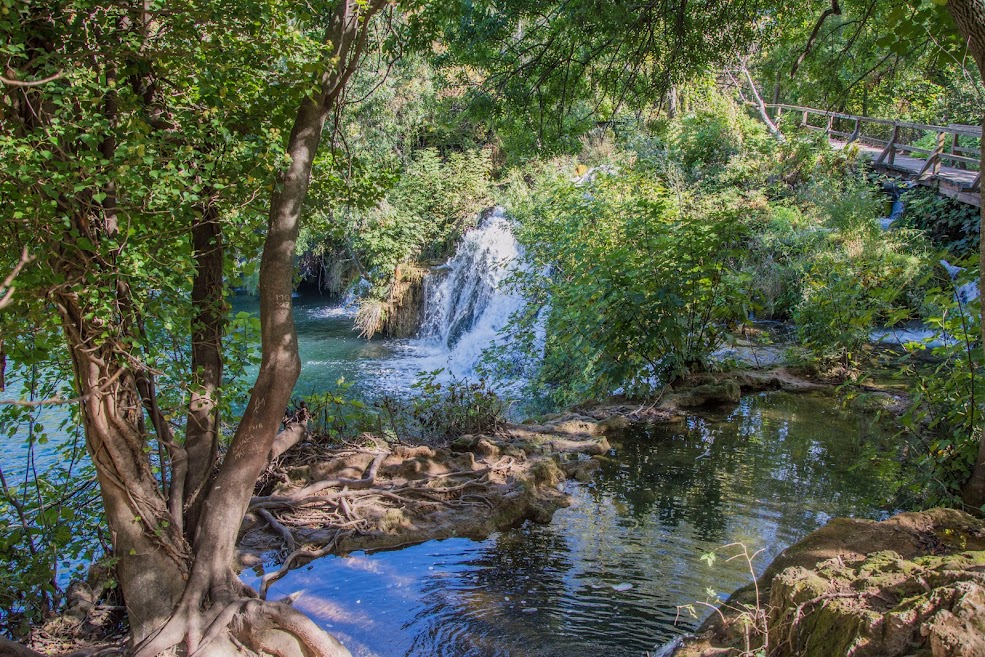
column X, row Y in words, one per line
column 607, row 577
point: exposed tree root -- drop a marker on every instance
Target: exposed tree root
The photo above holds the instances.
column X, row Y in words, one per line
column 322, row 500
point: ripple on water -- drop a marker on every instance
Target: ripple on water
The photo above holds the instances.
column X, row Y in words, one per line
column 608, row 575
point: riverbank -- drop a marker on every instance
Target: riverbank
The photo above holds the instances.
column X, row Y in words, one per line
column 371, row 495
column 321, row 499
column 910, row 585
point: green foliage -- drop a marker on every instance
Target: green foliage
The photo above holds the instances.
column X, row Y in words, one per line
column 950, row 224
column 549, row 72
column 50, row 519
column 635, row 276
column 339, row 414
column 860, row 277
column 431, row 202
column 945, row 414
column 898, row 60
column 709, row 139
column 456, row 407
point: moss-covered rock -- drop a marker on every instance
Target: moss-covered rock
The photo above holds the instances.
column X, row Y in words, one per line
column 911, row 586
column 723, row 392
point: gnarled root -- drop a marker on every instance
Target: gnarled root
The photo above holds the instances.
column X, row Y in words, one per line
column 241, row 625
column 276, row 628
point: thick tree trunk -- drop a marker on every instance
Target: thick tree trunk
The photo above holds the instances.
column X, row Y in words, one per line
column 970, row 18
column 151, row 557
column 214, row 599
column 208, row 325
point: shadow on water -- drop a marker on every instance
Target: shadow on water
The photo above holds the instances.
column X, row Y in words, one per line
column 607, row 575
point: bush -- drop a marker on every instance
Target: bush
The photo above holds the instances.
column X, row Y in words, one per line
column 709, row 139
column 636, row 274
column 338, row 415
column 950, row 224
column 862, row 281
column 945, row 415
column 456, row 407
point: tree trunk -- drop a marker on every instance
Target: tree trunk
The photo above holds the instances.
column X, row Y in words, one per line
column 970, row 18
column 151, row 557
column 195, row 465
column 214, row 602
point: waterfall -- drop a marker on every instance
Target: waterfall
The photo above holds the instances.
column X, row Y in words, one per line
column 349, row 305
column 464, row 298
column 466, row 302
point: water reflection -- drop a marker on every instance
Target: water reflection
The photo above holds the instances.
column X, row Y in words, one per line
column 607, row 575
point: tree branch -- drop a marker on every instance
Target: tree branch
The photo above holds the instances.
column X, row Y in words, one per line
column 833, row 10
column 6, row 288
column 12, row 82
column 59, row 401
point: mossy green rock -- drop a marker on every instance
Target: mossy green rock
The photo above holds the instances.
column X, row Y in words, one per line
column 724, row 392
column 882, row 605
column 910, row 586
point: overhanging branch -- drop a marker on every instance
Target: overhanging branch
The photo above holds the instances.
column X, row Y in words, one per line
column 833, row 10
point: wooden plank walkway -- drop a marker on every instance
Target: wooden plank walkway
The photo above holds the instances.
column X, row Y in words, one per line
column 958, row 184
column 960, row 178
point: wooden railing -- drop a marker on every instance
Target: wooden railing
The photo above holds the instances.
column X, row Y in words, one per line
column 894, row 139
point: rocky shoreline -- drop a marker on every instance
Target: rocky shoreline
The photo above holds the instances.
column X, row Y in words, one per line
column 910, row 586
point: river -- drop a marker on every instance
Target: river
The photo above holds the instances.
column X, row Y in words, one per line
column 614, row 573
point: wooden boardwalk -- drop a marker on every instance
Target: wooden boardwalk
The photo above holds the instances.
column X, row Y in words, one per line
column 952, row 166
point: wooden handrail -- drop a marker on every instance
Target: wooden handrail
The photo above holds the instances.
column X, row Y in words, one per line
column 947, row 144
column 953, row 129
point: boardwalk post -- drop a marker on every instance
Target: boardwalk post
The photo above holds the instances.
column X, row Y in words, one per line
column 932, row 166
column 857, row 131
column 954, row 151
column 804, row 120
column 890, row 151
column 831, row 120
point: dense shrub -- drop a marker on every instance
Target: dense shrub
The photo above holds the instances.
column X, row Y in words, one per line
column 636, row 276
column 945, row 415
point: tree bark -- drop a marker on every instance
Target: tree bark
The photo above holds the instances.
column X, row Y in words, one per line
column 214, row 597
column 970, row 18
column 151, row 557
column 208, row 326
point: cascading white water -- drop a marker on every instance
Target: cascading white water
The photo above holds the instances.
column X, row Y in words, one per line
column 466, row 301
column 465, row 297
column 349, row 305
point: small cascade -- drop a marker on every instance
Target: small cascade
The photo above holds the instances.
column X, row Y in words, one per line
column 966, row 292
column 464, row 296
column 466, row 302
column 349, row 305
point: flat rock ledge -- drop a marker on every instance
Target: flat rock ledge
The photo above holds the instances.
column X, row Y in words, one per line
column 911, row 586
column 321, row 500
